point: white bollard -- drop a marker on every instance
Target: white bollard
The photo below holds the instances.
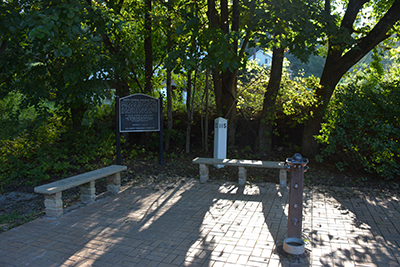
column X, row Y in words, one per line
column 220, row 139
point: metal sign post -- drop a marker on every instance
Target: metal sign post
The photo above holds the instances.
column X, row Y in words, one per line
column 118, row 134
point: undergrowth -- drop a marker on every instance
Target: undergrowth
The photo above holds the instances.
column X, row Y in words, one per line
column 47, row 148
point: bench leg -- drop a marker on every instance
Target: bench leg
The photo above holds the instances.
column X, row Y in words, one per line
column 88, row 192
column 242, row 176
column 54, row 205
column 282, row 178
column 114, row 183
column 203, row 173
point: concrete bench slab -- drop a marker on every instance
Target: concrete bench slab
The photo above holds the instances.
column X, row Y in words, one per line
column 86, row 182
column 241, row 163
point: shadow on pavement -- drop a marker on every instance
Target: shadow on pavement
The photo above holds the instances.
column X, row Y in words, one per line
column 353, row 227
column 192, row 224
column 189, row 224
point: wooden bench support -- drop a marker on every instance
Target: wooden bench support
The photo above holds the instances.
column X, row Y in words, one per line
column 241, row 164
column 86, row 182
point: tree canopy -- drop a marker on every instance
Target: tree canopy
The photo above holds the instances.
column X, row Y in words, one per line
column 71, row 53
column 350, row 37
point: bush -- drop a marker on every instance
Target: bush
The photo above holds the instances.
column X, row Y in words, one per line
column 296, row 97
column 37, row 150
column 363, row 128
column 294, row 100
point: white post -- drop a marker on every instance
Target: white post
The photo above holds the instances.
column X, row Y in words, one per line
column 220, row 139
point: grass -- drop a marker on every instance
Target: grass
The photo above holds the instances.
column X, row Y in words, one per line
column 16, row 218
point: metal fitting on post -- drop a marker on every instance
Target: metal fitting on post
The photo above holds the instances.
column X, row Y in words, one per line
column 297, row 159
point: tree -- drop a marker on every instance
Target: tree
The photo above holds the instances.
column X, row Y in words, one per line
column 184, row 56
column 293, row 25
column 349, row 40
column 60, row 53
column 128, row 29
column 169, row 76
column 148, row 47
column 211, row 39
column 268, row 111
column 12, row 50
column 113, row 21
column 72, row 51
column 227, row 27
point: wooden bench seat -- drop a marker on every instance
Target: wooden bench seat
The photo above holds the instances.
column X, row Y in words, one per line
column 86, row 181
column 241, row 163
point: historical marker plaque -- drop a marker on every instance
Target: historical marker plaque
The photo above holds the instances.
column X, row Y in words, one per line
column 139, row 113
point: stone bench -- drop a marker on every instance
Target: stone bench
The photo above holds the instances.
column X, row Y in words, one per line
column 241, row 163
column 86, row 181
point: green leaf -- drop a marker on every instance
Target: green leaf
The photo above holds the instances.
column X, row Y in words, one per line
column 40, row 35
column 12, row 29
column 71, row 15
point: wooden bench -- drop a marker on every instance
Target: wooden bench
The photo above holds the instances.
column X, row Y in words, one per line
column 86, row 181
column 241, row 163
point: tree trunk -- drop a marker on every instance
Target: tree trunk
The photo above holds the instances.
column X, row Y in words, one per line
column 77, row 113
column 225, row 82
column 148, row 61
column 121, row 87
column 205, row 147
column 3, row 46
column 169, row 86
column 269, row 103
column 169, row 110
column 148, row 49
column 329, row 79
column 228, row 104
column 188, row 110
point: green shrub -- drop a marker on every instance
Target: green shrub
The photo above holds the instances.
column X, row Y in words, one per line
column 363, row 127
column 31, row 155
column 296, row 97
column 294, row 100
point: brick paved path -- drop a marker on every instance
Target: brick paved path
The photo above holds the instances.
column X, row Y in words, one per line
column 195, row 224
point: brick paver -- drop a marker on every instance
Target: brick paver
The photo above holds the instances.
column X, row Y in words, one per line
column 211, row 224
